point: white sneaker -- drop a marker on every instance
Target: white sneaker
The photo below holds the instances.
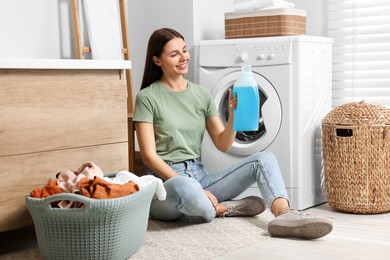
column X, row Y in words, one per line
column 296, row 224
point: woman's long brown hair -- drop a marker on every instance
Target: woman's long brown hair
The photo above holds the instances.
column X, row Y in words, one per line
column 156, row 44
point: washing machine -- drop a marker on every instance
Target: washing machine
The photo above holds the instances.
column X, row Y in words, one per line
column 293, row 74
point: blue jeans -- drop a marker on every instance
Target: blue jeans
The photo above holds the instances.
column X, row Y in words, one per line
column 185, row 195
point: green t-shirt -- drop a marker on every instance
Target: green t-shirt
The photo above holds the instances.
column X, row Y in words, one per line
column 178, row 118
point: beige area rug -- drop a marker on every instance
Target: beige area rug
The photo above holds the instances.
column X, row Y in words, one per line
column 190, row 240
column 187, row 239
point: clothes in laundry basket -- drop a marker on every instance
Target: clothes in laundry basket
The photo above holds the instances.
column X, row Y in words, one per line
column 67, row 180
column 89, row 181
column 143, row 181
column 97, row 188
column 49, row 189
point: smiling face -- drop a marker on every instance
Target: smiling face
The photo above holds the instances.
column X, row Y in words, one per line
column 174, row 59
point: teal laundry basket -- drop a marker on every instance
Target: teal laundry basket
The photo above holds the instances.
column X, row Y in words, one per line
column 106, row 229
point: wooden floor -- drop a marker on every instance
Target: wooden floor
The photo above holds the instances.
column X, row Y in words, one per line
column 354, row 237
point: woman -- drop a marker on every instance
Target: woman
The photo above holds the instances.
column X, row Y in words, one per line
column 171, row 115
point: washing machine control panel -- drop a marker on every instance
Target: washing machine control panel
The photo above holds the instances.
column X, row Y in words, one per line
column 260, row 54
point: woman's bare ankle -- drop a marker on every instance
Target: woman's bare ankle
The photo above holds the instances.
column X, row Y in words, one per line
column 280, row 206
column 220, row 210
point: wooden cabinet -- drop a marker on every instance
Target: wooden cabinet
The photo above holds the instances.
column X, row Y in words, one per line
column 55, row 119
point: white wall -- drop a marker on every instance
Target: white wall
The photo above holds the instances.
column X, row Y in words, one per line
column 35, row 29
column 316, row 16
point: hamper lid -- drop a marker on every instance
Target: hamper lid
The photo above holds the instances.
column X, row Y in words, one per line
column 362, row 113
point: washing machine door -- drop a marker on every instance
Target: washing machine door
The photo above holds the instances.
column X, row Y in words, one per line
column 270, row 119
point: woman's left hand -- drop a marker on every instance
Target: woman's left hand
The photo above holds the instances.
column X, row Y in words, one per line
column 232, row 101
column 223, row 135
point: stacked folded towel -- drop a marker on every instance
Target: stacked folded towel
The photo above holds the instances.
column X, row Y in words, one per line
column 261, row 4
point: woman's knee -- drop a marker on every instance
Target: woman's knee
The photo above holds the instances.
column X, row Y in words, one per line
column 191, row 196
column 266, row 157
column 267, row 163
column 182, row 185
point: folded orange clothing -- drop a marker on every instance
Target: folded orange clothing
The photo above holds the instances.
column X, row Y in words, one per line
column 49, row 189
column 98, row 188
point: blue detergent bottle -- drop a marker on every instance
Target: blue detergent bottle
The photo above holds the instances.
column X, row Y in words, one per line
column 246, row 113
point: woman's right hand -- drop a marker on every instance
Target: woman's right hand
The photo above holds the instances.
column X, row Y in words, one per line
column 220, row 209
column 212, row 198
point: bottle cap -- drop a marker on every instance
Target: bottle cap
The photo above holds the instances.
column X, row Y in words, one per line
column 246, row 68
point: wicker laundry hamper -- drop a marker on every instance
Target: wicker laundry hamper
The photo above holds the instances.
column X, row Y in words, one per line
column 104, row 229
column 356, row 151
